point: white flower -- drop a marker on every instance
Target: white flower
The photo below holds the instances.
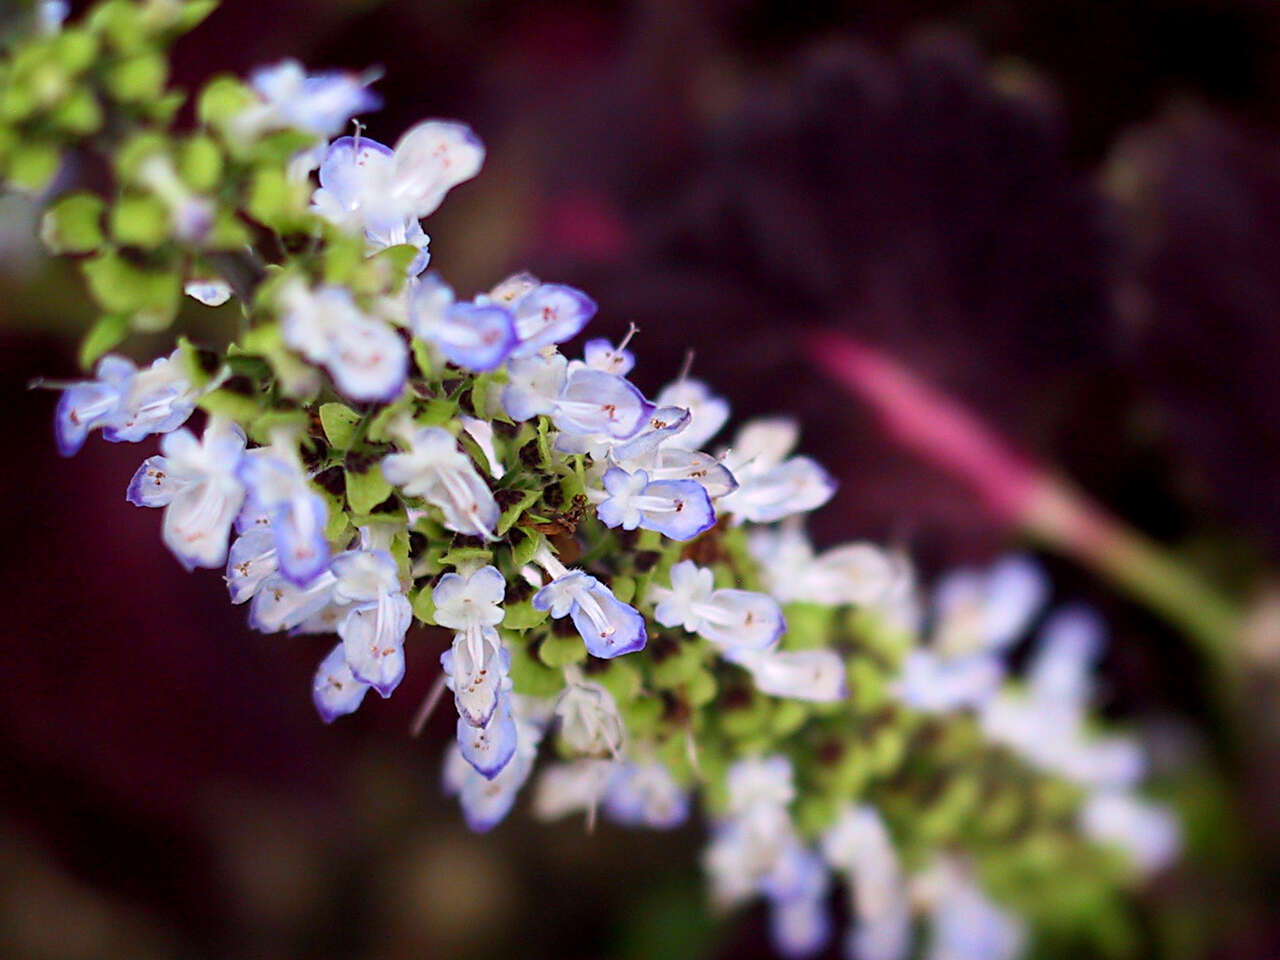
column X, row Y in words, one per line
column 435, row 469
column 1147, row 832
column 814, row 675
column 589, row 720
column 364, row 355
column 196, row 482
column 734, row 619
column 772, row 485
column 860, row 574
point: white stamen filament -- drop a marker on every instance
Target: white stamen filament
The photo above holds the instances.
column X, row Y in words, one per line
column 715, row 615
column 588, row 605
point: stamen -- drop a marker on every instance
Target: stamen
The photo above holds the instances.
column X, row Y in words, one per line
column 632, row 330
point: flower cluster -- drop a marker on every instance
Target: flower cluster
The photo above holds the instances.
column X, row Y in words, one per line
column 378, row 451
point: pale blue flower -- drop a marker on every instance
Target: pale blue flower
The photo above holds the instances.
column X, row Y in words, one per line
column 279, row 604
column 335, row 691
column 252, row 559
column 277, row 487
column 126, row 403
column 196, row 482
column 772, row 485
column 608, row 627
column 679, row 509
column 645, row 795
column 320, row 104
column 707, row 412
column 593, row 402
column 1147, row 832
column 976, row 610
column 733, row 619
column 211, row 292
column 435, row 469
column 476, row 666
column 533, row 385
column 367, row 583
column 364, row 355
column 588, row 718
column 548, row 314
column 859, row 846
column 855, row 574
column 817, row 676
column 383, row 193
column 670, row 462
column 659, row 427
column 966, row 925
column 602, row 355
column 474, row 337
column 797, row 888
column 486, row 801
column 489, row 747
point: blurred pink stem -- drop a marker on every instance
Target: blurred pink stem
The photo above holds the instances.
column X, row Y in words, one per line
column 1026, row 495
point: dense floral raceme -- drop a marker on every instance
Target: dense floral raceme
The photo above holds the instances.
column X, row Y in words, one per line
column 641, row 627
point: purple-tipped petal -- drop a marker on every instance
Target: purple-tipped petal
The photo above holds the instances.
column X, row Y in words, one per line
column 489, row 748
column 373, row 637
column 335, row 691
column 298, row 529
column 608, row 627
column 595, row 402
column 477, row 337
column 549, row 314
column 152, row 485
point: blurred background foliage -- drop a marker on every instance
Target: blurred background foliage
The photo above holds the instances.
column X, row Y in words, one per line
column 1065, row 213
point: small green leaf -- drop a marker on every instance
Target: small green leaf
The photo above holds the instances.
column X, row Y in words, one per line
column 73, row 224
column 134, row 153
column 437, row 413
column 190, row 356
column 32, row 165
column 460, row 556
column 620, row 678
column 192, row 14
column 338, row 527
column 531, row 677
column 516, row 510
column 75, row 50
column 701, row 690
column 200, row 163
column 139, row 221
column 422, row 356
column 105, row 334
column 236, row 406
column 152, row 296
column 525, row 546
column 641, row 714
column 261, row 340
column 340, row 424
column 808, row 626
column 276, row 201
column 267, row 423
column 227, row 232
column 557, row 652
column 122, row 24
column 522, row 616
column 366, row 490
column 79, row 114
column 222, row 99
column 624, row 588
column 424, row 605
column 137, row 79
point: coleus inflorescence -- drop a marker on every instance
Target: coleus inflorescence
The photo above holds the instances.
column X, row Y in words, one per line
column 377, row 451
